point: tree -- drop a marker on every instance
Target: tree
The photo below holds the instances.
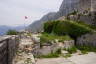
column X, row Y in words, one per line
column 12, row 32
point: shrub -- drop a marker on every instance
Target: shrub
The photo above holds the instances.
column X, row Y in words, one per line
column 12, row 32
column 68, row 27
column 73, row 13
column 72, row 50
column 67, row 55
column 85, row 49
column 51, row 55
column 48, row 26
column 71, row 28
column 58, row 51
column 46, row 38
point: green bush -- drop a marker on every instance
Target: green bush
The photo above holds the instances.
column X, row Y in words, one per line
column 51, row 55
column 85, row 49
column 45, row 38
column 67, row 55
column 48, row 26
column 71, row 28
column 58, row 51
column 73, row 13
column 72, row 50
column 93, row 27
column 12, row 32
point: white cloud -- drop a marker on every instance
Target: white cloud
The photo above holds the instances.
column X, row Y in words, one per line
column 12, row 12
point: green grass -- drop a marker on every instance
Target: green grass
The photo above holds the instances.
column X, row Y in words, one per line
column 92, row 27
column 44, row 38
column 86, row 49
column 71, row 50
column 29, row 34
column 67, row 55
column 51, row 55
column 83, row 49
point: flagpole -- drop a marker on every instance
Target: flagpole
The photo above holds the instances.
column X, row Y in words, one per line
column 25, row 22
column 24, row 26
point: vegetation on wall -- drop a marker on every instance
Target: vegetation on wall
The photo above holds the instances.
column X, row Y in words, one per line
column 46, row 38
column 56, row 54
column 67, row 27
column 86, row 49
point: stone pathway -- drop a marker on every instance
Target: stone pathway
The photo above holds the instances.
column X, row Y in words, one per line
column 89, row 58
column 22, row 56
column 54, row 61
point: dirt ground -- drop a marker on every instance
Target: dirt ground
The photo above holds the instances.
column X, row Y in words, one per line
column 89, row 58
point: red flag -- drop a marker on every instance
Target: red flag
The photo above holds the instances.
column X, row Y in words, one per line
column 26, row 17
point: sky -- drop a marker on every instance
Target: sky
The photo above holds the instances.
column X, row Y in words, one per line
column 12, row 12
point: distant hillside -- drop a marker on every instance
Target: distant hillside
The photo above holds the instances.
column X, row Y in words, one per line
column 4, row 29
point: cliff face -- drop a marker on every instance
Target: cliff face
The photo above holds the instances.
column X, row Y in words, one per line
column 66, row 7
column 84, row 5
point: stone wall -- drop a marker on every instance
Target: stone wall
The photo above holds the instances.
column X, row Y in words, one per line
column 88, row 40
column 8, row 46
column 93, row 7
column 48, row 48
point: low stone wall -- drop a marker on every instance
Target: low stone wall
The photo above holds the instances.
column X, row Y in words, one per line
column 67, row 44
column 48, row 48
column 88, row 40
column 8, row 47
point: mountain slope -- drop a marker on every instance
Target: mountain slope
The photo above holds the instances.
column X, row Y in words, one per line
column 37, row 25
column 66, row 7
column 4, row 29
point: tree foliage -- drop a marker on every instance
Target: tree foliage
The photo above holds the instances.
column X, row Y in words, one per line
column 12, row 32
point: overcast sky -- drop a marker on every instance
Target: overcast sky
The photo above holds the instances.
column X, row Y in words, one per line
column 12, row 12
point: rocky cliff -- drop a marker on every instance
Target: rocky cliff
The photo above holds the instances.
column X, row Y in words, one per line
column 66, row 7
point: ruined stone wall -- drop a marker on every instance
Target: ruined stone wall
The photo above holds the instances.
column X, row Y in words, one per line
column 88, row 40
column 47, row 48
column 93, row 5
column 8, row 46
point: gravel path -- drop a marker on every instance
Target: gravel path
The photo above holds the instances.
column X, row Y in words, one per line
column 89, row 58
column 54, row 61
column 22, row 56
